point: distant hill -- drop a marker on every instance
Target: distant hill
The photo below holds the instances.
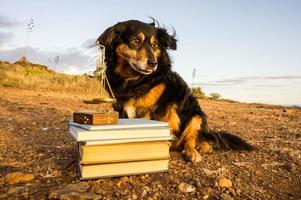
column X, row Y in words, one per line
column 26, row 75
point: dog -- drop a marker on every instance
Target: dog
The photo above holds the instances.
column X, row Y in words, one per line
column 139, row 72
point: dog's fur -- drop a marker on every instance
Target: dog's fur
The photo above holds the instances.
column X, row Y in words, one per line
column 139, row 71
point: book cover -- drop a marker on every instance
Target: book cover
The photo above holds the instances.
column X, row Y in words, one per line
column 123, row 124
column 121, row 141
column 125, row 152
column 122, row 169
column 80, row 134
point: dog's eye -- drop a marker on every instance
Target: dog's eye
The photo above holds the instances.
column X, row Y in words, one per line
column 136, row 41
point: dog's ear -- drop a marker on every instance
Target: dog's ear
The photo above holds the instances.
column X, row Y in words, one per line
column 109, row 35
column 166, row 40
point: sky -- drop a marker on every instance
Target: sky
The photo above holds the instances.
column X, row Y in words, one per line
column 248, row 51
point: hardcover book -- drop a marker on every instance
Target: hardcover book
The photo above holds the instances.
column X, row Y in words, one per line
column 122, row 169
column 135, row 151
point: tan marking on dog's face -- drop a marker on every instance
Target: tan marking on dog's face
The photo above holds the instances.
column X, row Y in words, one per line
column 150, row 98
column 123, row 52
column 156, row 50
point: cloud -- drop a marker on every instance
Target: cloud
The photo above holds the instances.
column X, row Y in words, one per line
column 8, row 22
column 246, row 80
column 5, row 37
column 71, row 60
column 88, row 43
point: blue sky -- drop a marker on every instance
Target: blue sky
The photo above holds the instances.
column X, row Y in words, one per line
column 245, row 50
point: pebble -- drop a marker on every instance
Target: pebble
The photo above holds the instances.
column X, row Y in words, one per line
column 226, row 197
column 122, row 181
column 17, row 190
column 186, row 188
column 74, row 191
column 224, row 182
column 18, row 177
column 144, row 193
column 134, row 196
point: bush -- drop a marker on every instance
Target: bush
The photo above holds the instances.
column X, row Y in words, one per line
column 215, row 95
column 198, row 93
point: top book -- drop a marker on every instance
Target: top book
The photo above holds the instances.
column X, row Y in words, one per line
column 122, row 124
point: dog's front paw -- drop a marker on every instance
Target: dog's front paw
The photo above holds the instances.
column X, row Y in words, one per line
column 192, row 155
column 131, row 112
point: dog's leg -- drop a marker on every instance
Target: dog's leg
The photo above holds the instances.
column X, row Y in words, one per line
column 130, row 108
column 189, row 138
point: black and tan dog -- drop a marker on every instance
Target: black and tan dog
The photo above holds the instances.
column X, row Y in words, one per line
column 139, row 71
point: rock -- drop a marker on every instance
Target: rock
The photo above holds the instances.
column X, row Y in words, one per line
column 226, row 197
column 186, row 188
column 205, row 147
column 206, row 196
column 224, row 182
column 144, row 193
column 18, row 177
column 122, row 181
column 17, row 191
column 79, row 196
column 74, row 191
column 134, row 196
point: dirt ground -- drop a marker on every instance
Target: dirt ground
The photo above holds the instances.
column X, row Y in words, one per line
column 34, row 141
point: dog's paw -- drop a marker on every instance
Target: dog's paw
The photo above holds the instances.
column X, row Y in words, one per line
column 131, row 112
column 192, row 155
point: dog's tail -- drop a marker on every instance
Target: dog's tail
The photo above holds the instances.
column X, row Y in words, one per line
column 225, row 140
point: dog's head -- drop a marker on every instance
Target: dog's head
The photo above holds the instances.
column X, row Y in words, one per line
column 135, row 48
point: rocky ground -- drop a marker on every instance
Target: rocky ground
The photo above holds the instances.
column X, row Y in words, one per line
column 37, row 156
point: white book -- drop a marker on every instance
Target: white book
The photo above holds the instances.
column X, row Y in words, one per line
column 123, row 124
column 81, row 135
column 122, row 141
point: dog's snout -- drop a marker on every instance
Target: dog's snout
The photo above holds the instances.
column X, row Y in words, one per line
column 152, row 63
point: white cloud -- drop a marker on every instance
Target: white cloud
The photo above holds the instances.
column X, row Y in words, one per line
column 71, row 60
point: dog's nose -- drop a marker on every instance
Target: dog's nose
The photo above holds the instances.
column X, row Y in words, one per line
column 152, row 64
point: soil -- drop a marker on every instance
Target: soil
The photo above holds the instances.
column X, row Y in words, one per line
column 34, row 140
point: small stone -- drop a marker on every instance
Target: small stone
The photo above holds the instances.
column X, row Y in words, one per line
column 18, row 177
column 224, row 182
column 122, row 181
column 226, row 197
column 134, row 196
column 206, row 196
column 44, row 129
column 144, row 193
column 205, row 147
column 16, row 190
column 186, row 188
column 71, row 190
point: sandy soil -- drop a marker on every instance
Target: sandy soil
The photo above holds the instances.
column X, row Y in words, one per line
column 34, row 140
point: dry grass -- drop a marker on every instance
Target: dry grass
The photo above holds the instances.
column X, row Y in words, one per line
column 38, row 77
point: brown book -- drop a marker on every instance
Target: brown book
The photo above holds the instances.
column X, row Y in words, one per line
column 122, row 169
column 91, row 117
column 124, row 152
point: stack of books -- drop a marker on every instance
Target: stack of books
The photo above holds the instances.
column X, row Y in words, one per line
column 132, row 146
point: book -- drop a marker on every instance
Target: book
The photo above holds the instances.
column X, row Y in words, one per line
column 130, row 140
column 123, row 124
column 122, row 168
column 125, row 152
column 80, row 134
